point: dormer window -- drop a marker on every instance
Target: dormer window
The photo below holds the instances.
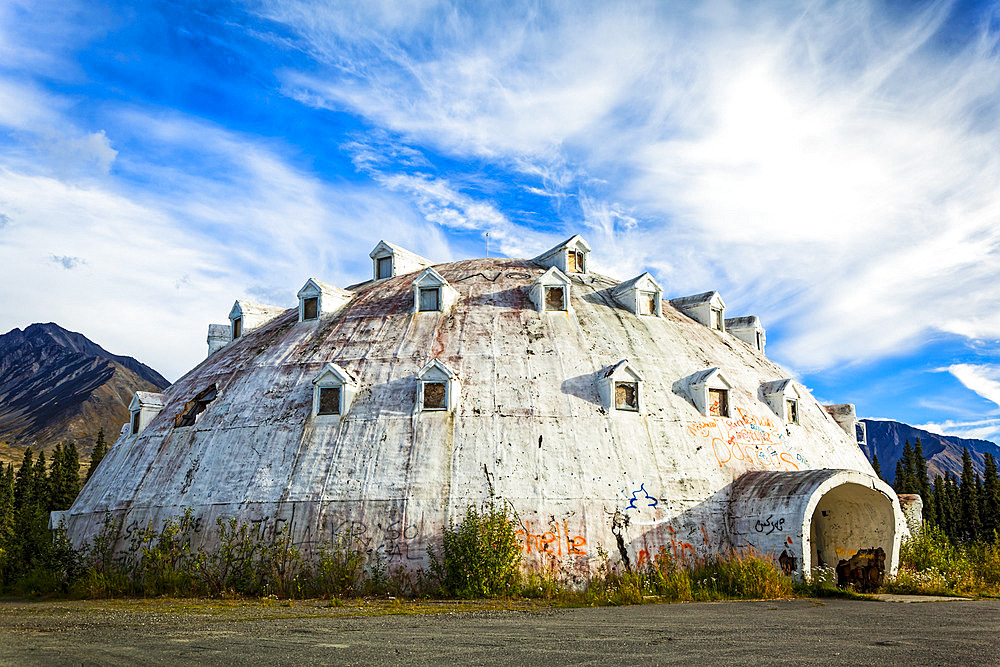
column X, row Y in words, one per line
column 707, row 308
column 194, row 407
column 642, row 295
column 620, row 388
column 710, row 392
column 390, row 260
column 246, row 316
column 718, row 402
column 551, row 292
column 310, row 308
column 749, row 330
column 717, row 319
column 144, row 407
column 333, row 391
column 792, row 410
column 439, row 388
column 569, row 256
column 430, row 298
column 555, row 298
column 383, row 268
column 317, row 299
column 432, row 293
column 783, row 397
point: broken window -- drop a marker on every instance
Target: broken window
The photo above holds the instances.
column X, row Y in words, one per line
column 791, row 411
column 310, row 308
column 237, row 327
column 384, row 268
column 574, row 262
column 135, row 422
column 717, row 319
column 555, row 298
column 627, row 395
column 647, row 303
column 329, row 401
column 718, row 402
column 195, row 407
column 760, row 341
column 430, row 298
column 435, row 396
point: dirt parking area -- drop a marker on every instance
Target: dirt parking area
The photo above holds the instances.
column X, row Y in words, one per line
column 311, row 632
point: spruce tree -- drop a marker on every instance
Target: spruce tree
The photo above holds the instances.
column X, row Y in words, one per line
column 100, row 449
column 65, row 483
column 920, row 472
column 875, row 466
column 23, row 483
column 991, row 497
column 6, row 504
column 971, row 525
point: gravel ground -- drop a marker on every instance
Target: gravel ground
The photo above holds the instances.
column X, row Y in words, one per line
column 310, row 632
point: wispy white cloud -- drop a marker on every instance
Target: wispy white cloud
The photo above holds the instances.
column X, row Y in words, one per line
column 984, row 379
column 828, row 166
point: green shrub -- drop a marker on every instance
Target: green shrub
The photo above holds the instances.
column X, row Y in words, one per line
column 480, row 557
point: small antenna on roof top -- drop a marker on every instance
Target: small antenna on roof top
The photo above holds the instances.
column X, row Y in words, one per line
column 487, row 245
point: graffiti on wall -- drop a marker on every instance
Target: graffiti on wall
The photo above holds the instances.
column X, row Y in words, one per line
column 756, row 441
column 556, row 541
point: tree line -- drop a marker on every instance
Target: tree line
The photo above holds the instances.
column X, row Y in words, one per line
column 965, row 508
column 27, row 495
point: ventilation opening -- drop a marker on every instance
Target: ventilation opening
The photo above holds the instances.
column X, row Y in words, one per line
column 852, row 530
column 310, row 308
column 195, row 407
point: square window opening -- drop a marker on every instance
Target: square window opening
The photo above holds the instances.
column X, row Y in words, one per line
column 647, row 303
column 717, row 319
column 430, row 298
column 135, row 422
column 791, row 411
column 574, row 262
column 435, row 396
column 384, row 268
column 760, row 341
column 627, row 396
column 310, row 308
column 718, row 402
column 237, row 327
column 555, row 298
column 329, row 401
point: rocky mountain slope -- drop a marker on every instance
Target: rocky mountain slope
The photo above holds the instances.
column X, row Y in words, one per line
column 943, row 452
column 57, row 385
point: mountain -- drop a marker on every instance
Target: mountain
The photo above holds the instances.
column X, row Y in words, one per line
column 58, row 385
column 943, row 452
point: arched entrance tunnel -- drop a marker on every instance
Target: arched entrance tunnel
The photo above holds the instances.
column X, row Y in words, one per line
column 837, row 519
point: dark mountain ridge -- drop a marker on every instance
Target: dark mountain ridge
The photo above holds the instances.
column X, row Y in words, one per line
column 57, row 385
column 943, row 452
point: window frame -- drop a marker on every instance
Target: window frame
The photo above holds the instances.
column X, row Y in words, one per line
column 319, row 400
column 549, row 288
column 717, row 318
column 791, row 410
column 725, row 409
column 437, row 299
column 135, row 421
column 379, row 274
column 306, row 301
column 423, row 395
column 237, row 324
column 626, row 385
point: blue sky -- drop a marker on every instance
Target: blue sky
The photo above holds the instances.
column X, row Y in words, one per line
column 831, row 167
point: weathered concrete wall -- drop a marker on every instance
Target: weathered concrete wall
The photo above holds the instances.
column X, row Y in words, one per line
column 529, row 424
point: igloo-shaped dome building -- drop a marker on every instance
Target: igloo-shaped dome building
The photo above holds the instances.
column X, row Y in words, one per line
column 611, row 419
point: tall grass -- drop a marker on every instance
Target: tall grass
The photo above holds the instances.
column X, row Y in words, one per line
column 931, row 564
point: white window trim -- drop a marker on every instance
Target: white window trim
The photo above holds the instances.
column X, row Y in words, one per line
column 698, row 385
column 623, row 371
column 334, row 376
column 431, row 279
column 553, row 277
column 437, row 371
column 776, row 392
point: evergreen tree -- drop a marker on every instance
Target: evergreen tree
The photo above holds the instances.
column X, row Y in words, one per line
column 40, row 487
column 23, row 483
column 100, row 449
column 920, row 472
column 991, row 497
column 905, row 478
column 6, row 504
column 939, row 502
column 875, row 466
column 971, row 525
column 64, row 477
